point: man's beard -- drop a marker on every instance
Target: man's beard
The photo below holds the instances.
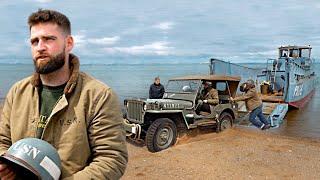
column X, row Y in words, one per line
column 54, row 63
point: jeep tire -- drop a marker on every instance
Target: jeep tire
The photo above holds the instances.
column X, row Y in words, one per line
column 225, row 121
column 161, row 134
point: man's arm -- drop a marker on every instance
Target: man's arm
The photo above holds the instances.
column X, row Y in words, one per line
column 161, row 91
column 214, row 98
column 150, row 92
column 246, row 96
column 107, row 141
column 6, row 172
column 5, row 133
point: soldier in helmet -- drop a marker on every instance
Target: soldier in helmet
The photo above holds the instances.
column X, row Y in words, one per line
column 253, row 104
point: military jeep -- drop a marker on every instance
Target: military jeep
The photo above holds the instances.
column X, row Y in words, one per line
column 158, row 121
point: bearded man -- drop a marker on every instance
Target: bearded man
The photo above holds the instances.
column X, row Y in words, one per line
column 74, row 112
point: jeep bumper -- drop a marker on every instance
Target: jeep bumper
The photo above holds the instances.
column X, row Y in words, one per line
column 132, row 130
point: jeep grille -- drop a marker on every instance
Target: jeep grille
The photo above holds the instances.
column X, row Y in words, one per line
column 135, row 112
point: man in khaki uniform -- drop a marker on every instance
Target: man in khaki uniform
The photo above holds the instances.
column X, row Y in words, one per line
column 74, row 112
column 253, row 104
column 209, row 96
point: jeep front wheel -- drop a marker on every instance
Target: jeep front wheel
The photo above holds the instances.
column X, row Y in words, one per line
column 225, row 121
column 161, row 134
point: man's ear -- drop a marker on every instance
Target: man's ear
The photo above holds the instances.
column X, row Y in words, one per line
column 69, row 43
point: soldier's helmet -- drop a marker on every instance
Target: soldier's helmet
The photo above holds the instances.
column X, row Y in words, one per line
column 186, row 89
column 32, row 158
column 244, row 87
column 250, row 81
column 251, row 84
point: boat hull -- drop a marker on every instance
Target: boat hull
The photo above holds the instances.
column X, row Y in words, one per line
column 300, row 90
column 302, row 102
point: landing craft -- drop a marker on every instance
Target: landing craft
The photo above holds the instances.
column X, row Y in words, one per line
column 289, row 79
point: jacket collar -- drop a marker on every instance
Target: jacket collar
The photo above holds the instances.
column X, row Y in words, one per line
column 72, row 82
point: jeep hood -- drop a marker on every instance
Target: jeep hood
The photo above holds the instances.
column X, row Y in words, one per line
column 187, row 104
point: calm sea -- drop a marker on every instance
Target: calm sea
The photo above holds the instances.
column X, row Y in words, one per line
column 133, row 80
column 127, row 80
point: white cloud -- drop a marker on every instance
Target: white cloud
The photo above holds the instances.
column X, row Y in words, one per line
column 14, row 48
column 104, row 40
column 43, row 1
column 164, row 25
column 264, row 53
column 79, row 39
column 155, row 48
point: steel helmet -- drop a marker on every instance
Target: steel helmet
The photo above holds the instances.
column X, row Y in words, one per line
column 244, row 87
column 186, row 89
column 250, row 81
column 33, row 158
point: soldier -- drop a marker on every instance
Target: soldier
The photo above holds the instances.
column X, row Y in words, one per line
column 74, row 112
column 209, row 96
column 253, row 104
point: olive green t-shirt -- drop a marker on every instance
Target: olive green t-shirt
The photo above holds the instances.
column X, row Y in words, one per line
column 48, row 99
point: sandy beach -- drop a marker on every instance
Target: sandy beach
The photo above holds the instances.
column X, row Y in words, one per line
column 235, row 154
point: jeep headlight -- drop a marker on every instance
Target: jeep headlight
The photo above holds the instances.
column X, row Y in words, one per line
column 125, row 102
column 152, row 106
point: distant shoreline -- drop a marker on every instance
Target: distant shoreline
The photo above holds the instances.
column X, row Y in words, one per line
column 165, row 63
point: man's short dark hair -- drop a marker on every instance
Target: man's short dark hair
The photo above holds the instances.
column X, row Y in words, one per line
column 206, row 83
column 157, row 78
column 50, row 16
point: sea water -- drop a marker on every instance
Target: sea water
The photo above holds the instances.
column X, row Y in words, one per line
column 134, row 80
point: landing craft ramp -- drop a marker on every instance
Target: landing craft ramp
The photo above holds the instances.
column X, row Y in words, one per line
column 275, row 112
column 273, row 104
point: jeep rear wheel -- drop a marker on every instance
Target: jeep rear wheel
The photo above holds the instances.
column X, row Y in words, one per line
column 225, row 121
column 161, row 134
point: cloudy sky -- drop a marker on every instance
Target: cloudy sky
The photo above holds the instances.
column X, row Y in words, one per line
column 166, row 30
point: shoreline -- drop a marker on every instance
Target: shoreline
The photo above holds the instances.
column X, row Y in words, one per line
column 276, row 134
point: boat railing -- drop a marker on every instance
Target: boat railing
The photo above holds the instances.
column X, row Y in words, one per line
column 268, row 62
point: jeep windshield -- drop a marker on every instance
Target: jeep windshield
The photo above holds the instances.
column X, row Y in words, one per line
column 183, row 86
column 182, row 89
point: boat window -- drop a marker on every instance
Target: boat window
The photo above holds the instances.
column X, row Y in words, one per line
column 304, row 53
column 294, row 53
column 284, row 53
